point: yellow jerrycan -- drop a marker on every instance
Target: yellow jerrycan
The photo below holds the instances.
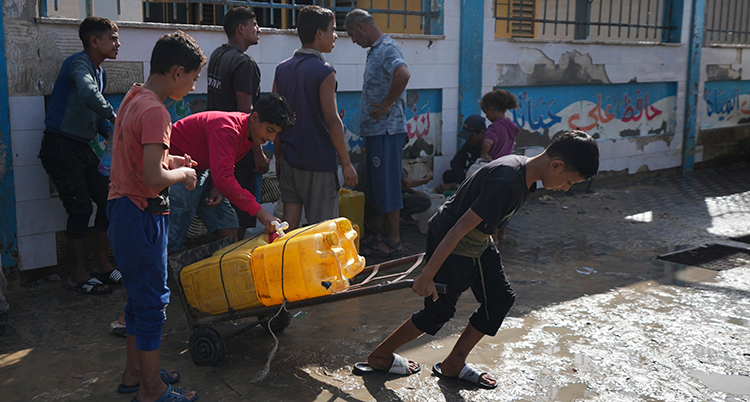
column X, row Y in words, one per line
column 352, row 207
column 305, row 263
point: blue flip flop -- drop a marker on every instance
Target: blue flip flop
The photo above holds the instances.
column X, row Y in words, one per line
column 172, row 394
column 165, row 375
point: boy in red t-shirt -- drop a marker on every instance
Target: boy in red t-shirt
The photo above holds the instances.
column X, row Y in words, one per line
column 138, row 208
column 219, row 141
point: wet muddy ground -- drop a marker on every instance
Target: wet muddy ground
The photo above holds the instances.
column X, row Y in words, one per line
column 597, row 317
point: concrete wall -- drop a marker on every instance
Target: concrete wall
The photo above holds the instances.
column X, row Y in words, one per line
column 432, row 94
column 600, row 87
column 724, row 105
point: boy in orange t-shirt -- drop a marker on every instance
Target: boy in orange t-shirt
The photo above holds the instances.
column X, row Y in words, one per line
column 138, row 207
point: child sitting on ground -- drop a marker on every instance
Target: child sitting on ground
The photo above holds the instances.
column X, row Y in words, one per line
column 461, row 254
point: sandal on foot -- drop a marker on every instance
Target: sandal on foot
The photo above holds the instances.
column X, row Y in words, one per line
column 113, row 277
column 395, row 250
column 118, row 329
column 172, row 394
column 399, row 366
column 165, row 375
column 90, row 287
column 469, row 374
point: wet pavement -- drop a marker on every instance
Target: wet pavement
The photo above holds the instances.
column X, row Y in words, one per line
column 597, row 316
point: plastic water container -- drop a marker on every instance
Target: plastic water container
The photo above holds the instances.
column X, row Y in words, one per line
column 436, row 200
column 352, row 206
column 304, row 263
column 106, row 162
column 219, row 282
column 352, row 262
column 299, row 267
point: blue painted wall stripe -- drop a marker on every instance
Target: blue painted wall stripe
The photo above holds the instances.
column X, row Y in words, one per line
column 693, row 81
column 471, row 44
column 8, row 229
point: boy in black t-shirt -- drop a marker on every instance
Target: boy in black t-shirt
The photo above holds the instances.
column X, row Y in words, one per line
column 461, row 253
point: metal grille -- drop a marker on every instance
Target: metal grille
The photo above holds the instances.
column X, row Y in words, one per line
column 727, row 22
column 393, row 16
column 713, row 256
column 628, row 20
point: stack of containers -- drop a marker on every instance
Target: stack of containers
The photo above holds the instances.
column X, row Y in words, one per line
column 308, row 262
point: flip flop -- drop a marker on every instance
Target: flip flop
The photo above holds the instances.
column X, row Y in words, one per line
column 113, row 277
column 89, row 287
column 172, row 394
column 469, row 374
column 400, row 366
column 165, row 375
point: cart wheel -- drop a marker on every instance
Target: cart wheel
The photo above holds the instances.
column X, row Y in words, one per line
column 279, row 323
column 207, row 347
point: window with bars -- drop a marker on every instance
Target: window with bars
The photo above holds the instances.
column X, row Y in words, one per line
column 727, row 22
column 607, row 20
column 392, row 16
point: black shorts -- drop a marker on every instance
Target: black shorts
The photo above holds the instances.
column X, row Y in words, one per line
column 73, row 167
column 491, row 289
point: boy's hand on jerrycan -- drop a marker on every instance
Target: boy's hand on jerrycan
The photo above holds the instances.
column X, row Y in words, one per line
column 267, row 220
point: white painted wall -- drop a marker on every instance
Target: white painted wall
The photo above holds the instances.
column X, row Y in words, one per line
column 623, row 62
column 433, row 62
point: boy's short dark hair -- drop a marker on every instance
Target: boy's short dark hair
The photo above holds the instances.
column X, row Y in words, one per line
column 94, row 26
column 499, row 99
column 578, row 150
column 235, row 17
column 310, row 19
column 176, row 49
column 273, row 108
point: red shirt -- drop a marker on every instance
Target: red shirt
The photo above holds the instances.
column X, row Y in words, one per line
column 217, row 140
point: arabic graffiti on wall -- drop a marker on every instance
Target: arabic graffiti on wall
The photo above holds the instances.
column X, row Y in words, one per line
column 607, row 111
column 423, row 118
column 423, row 121
column 725, row 103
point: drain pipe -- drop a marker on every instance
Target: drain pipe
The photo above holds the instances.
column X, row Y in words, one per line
column 692, row 84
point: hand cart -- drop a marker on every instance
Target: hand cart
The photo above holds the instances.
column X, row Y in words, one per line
column 207, row 345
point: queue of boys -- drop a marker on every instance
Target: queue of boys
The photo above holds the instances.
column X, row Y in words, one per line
column 210, row 164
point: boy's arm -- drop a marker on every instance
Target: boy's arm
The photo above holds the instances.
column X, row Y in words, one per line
column 156, row 174
column 423, row 285
column 336, row 128
column 88, row 89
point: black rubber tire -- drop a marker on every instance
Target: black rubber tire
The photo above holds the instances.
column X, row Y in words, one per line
column 279, row 323
column 207, row 347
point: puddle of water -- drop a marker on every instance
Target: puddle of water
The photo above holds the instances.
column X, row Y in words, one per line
column 568, row 393
column 731, row 384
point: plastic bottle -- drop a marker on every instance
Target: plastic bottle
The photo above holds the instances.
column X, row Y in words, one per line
column 106, row 162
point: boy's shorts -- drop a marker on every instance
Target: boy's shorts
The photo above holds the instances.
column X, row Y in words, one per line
column 383, row 182
column 318, row 192
column 139, row 243
column 491, row 289
column 250, row 181
column 73, row 167
column 184, row 204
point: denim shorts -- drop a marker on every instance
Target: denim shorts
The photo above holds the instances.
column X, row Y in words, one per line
column 184, row 204
column 383, row 181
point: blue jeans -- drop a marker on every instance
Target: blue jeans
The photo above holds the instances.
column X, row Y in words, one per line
column 139, row 243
